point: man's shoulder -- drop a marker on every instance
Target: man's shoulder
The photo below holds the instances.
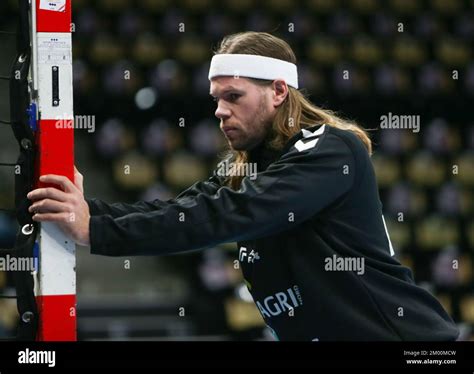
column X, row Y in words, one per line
column 323, row 137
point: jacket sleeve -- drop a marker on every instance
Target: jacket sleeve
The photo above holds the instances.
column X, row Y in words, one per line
column 115, row 210
column 298, row 185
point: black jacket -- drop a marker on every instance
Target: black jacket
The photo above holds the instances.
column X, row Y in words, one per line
column 312, row 242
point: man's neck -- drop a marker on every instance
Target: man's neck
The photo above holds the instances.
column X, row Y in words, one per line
column 262, row 155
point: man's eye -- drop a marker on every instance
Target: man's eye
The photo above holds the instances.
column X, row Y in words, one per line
column 233, row 97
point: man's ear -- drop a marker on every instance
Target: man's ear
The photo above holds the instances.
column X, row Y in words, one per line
column 280, row 92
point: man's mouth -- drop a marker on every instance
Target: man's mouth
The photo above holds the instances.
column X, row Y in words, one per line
column 229, row 130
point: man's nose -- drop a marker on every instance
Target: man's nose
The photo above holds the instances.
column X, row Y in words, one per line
column 222, row 112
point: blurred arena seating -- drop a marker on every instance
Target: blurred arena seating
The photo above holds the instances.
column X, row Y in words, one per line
column 140, row 67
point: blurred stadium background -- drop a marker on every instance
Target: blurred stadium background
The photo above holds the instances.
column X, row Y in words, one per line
column 140, row 68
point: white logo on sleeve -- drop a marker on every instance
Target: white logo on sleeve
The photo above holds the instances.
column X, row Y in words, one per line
column 307, row 142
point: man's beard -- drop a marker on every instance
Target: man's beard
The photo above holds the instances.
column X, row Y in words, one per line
column 264, row 126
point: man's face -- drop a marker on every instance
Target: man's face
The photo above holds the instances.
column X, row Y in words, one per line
column 245, row 110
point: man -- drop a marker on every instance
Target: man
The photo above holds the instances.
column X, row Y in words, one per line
column 312, row 240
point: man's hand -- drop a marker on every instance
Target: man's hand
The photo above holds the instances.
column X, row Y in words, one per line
column 66, row 207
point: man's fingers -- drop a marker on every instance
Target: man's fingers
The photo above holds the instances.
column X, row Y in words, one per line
column 77, row 172
column 78, row 179
column 54, row 217
column 49, row 206
column 47, row 193
column 60, row 180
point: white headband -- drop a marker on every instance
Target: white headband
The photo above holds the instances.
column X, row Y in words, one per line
column 253, row 66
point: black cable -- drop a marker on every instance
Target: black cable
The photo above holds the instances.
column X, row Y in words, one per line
column 7, row 164
column 6, row 122
column 8, row 32
column 5, row 77
column 7, row 297
column 24, row 244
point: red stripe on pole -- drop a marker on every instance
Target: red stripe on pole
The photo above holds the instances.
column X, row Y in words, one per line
column 55, row 140
column 57, row 318
column 53, row 21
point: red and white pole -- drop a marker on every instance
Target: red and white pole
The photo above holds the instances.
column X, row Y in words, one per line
column 52, row 80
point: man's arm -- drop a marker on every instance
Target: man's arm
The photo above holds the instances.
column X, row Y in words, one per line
column 99, row 207
column 67, row 207
column 300, row 184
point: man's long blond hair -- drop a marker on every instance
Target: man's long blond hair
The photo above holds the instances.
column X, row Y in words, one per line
column 296, row 112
